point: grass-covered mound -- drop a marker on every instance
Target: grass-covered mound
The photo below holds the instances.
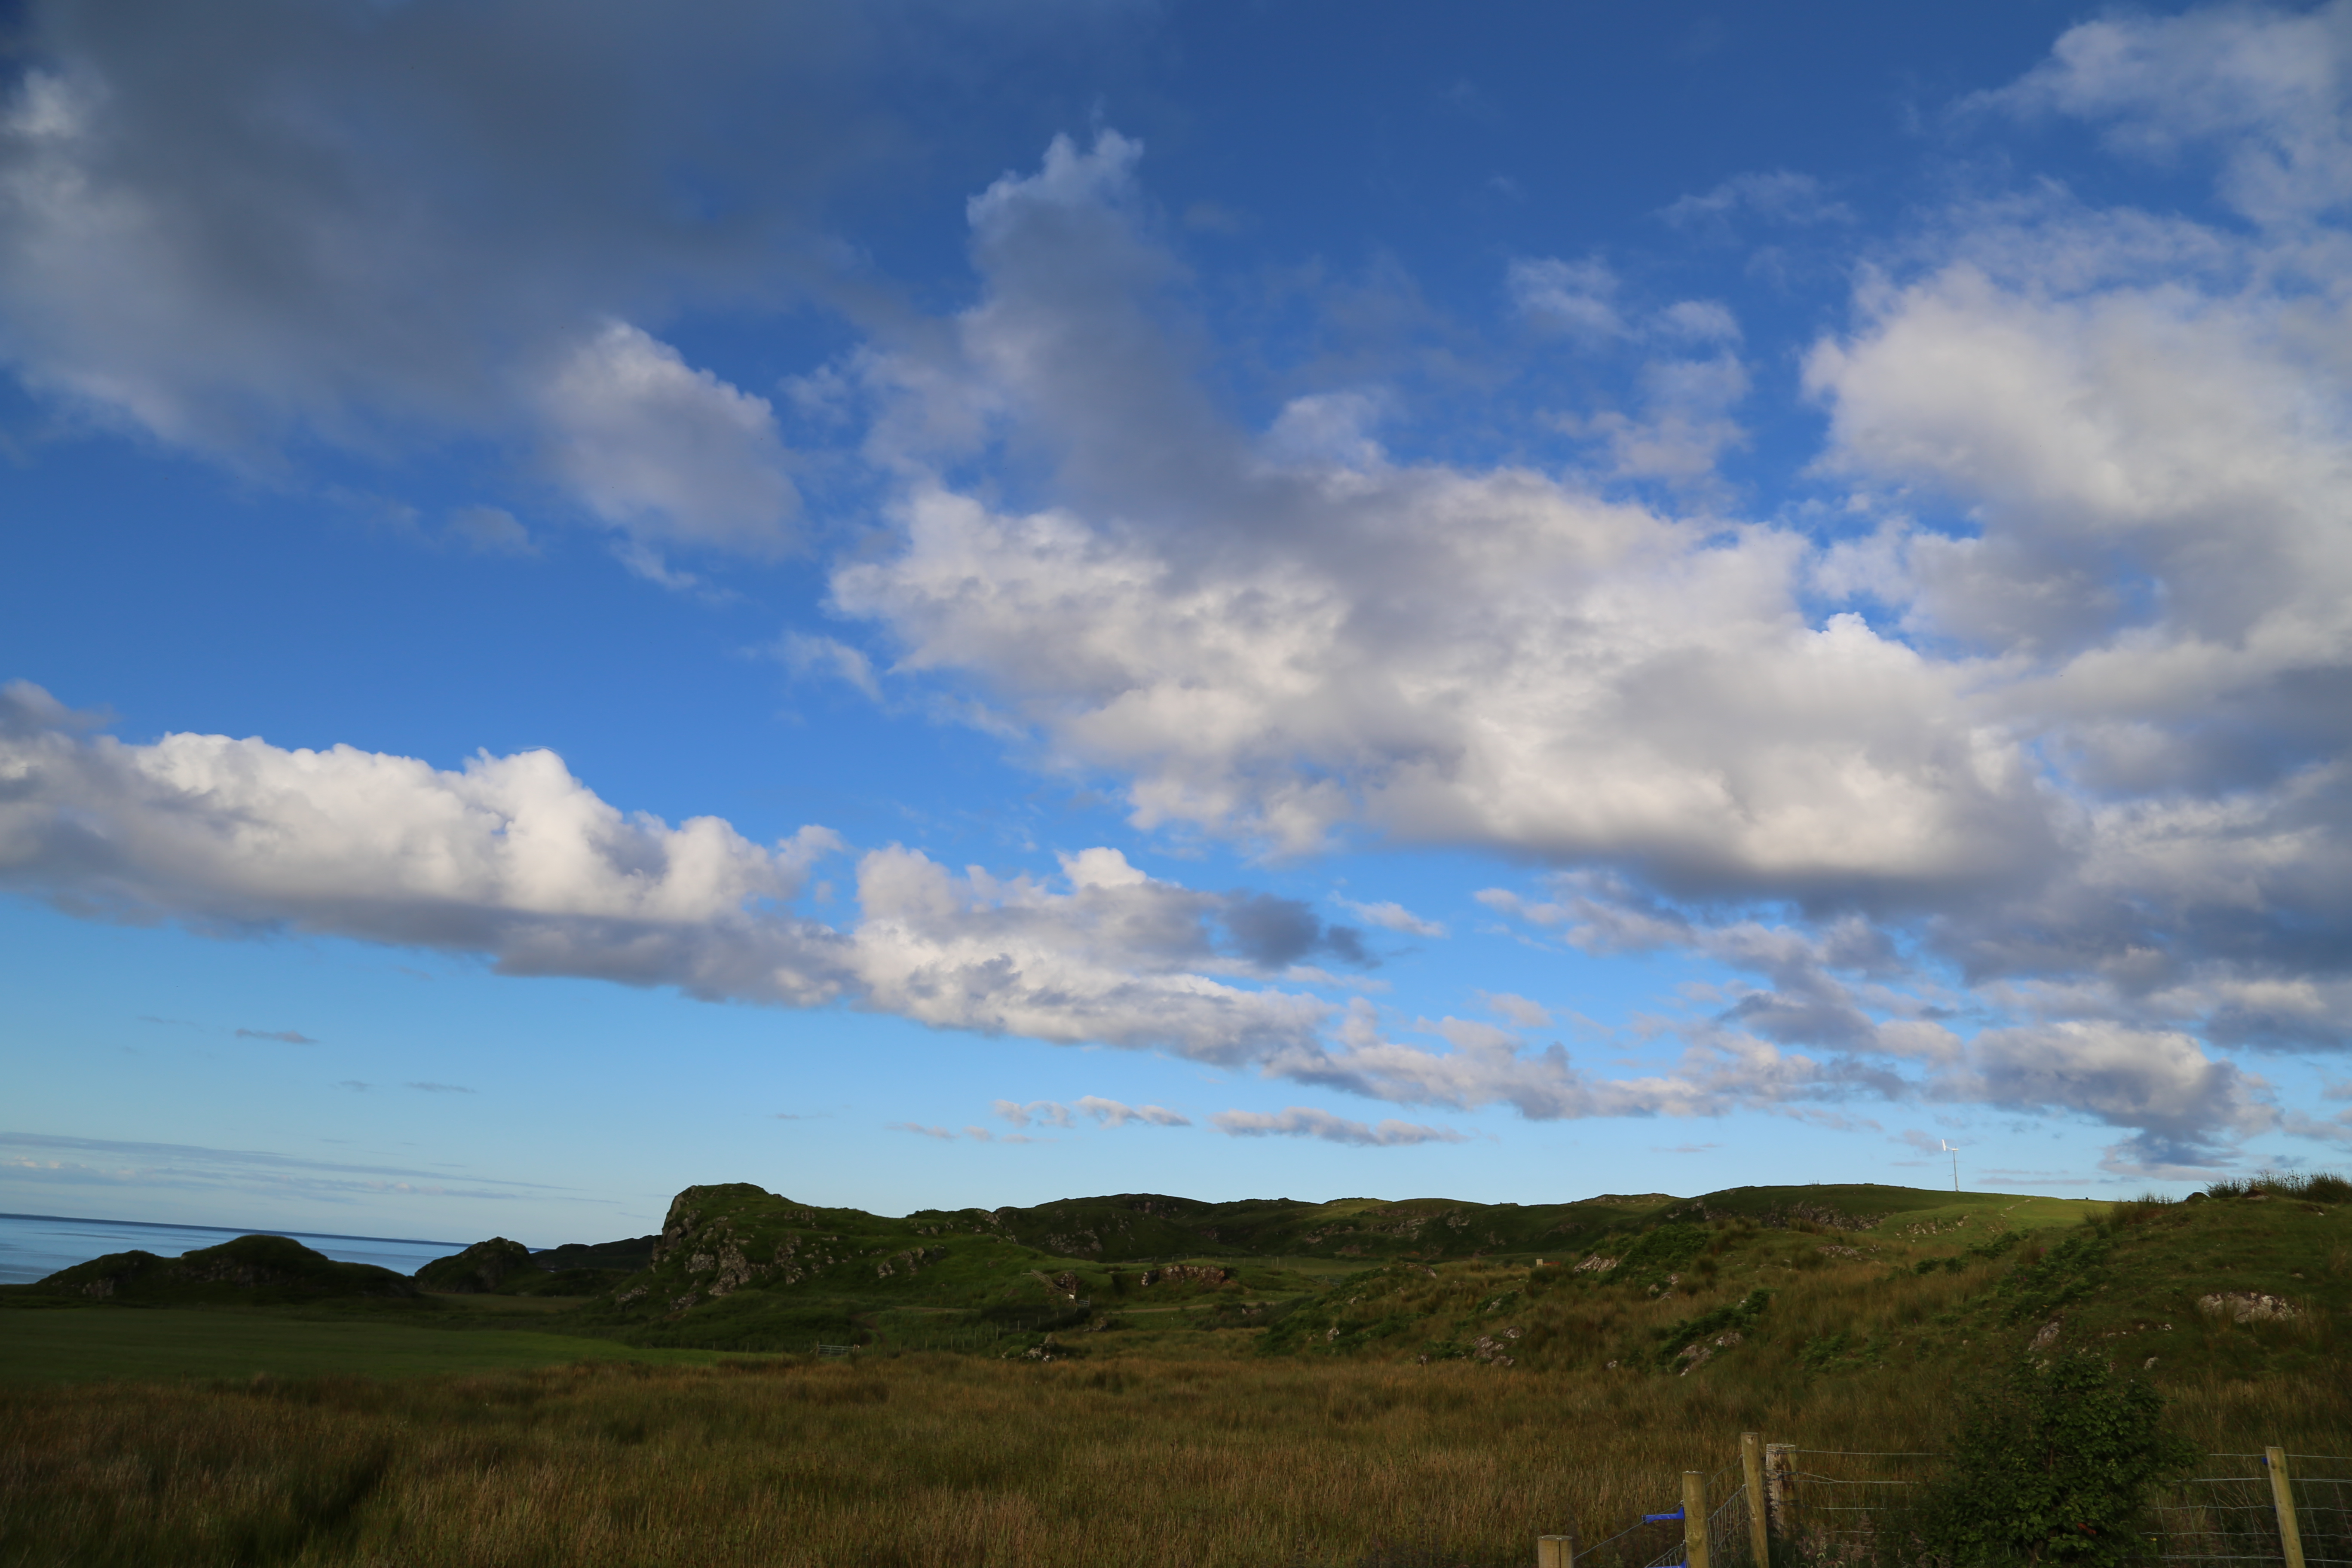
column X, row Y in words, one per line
column 497, row 1264
column 257, row 1270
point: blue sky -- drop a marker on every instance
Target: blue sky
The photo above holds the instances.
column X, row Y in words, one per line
column 931, row 606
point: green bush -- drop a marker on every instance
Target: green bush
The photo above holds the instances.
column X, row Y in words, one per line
column 2053, row 1464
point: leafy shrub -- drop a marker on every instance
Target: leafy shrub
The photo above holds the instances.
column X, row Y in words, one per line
column 2314, row 1187
column 2053, row 1464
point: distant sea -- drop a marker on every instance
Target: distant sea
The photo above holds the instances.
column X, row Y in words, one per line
column 35, row 1246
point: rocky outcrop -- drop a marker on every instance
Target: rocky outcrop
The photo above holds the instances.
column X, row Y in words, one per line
column 1188, row 1274
column 1694, row 1356
column 719, row 1241
column 2249, row 1307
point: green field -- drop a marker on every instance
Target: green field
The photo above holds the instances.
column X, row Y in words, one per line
column 1387, row 1408
column 80, row 1344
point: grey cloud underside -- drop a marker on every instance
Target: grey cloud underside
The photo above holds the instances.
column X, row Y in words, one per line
column 390, row 227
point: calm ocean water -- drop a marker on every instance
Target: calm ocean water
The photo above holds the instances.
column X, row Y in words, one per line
column 34, row 1246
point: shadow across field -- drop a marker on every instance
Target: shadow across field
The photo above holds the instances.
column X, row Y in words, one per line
column 81, row 1344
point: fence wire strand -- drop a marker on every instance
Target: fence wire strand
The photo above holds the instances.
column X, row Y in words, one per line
column 1841, row 1501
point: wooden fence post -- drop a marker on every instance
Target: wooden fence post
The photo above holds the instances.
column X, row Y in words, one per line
column 1557, row 1551
column 2283, row 1499
column 1751, row 1467
column 1780, row 1489
column 1695, row 1542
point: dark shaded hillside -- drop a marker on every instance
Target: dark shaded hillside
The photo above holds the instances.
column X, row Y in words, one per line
column 627, row 1257
column 252, row 1270
column 1140, row 1226
column 497, row 1264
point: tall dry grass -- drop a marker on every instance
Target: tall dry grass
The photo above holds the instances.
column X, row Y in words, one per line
column 928, row 1460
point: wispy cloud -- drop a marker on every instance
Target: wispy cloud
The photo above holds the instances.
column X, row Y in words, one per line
column 1104, row 1113
column 1300, row 1122
column 48, row 1159
column 289, row 1037
column 974, row 1134
column 1389, row 915
column 1527, row 1015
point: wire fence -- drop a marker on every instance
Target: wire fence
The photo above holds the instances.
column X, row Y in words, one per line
column 1840, row 1502
column 1727, row 1527
column 1835, row 1509
column 2234, row 1519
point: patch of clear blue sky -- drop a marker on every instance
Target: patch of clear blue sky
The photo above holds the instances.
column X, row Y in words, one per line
column 1347, row 185
column 571, row 1111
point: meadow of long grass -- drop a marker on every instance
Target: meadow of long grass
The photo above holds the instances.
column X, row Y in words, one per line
column 1377, row 1424
column 926, row 1459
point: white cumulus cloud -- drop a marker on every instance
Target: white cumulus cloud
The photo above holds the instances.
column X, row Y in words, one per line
column 670, row 453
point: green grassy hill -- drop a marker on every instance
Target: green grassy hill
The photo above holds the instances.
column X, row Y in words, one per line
column 2254, row 1284
column 740, row 1267
column 1753, row 1284
column 1813, row 1281
column 257, row 1270
column 482, row 1268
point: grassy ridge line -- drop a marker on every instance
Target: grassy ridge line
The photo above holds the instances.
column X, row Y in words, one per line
column 742, row 1267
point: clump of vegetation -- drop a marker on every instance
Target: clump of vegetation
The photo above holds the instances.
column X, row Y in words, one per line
column 2311, row 1187
column 1694, row 1340
column 2042, row 1282
column 2053, row 1464
column 1657, row 1256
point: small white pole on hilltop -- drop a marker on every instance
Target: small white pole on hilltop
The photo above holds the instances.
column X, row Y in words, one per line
column 1955, row 1153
